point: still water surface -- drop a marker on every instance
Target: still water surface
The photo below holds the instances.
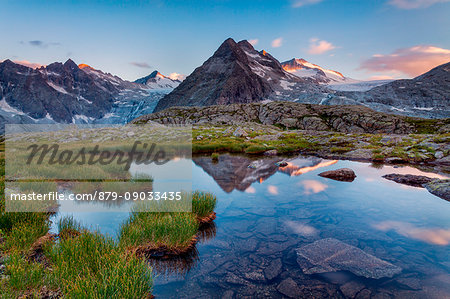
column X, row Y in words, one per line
column 264, row 214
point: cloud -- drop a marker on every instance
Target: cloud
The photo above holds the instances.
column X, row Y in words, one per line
column 276, row 43
column 250, row 189
column 411, row 61
column 436, row 236
column 141, row 64
column 253, row 42
column 413, row 4
column 40, row 44
column 272, row 189
column 176, row 76
column 313, row 186
column 317, row 46
column 300, row 3
column 381, row 77
column 32, row 65
column 301, row 229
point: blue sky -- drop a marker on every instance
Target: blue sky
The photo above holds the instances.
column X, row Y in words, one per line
column 361, row 39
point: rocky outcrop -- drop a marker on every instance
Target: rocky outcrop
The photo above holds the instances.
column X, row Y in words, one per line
column 342, row 174
column 408, row 179
column 347, row 119
column 331, row 255
column 439, row 188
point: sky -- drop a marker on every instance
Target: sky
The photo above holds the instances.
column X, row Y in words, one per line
column 363, row 39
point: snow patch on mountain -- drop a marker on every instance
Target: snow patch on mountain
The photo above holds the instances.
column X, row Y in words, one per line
column 156, row 80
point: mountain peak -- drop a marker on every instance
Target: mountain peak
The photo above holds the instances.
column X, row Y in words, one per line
column 155, row 74
column 156, row 80
column 70, row 64
column 245, row 44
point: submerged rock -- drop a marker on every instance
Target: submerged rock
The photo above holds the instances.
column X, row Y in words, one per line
column 289, row 288
column 273, row 270
column 331, row 255
column 342, row 174
column 439, row 188
column 408, row 179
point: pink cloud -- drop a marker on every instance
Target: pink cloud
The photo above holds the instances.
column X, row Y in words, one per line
column 300, row 3
column 381, row 77
column 176, row 76
column 413, row 4
column 410, row 61
column 250, row 189
column 313, row 186
column 276, row 43
column 436, row 236
column 32, row 65
column 272, row 189
column 317, row 46
column 253, row 42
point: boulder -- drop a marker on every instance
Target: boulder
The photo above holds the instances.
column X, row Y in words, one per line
column 239, row 132
column 439, row 188
column 331, row 255
column 408, row 179
column 342, row 174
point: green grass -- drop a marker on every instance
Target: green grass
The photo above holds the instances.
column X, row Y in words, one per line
column 93, row 266
column 203, row 203
column 426, row 126
column 256, row 149
column 25, row 275
column 68, row 227
column 215, row 157
column 173, row 231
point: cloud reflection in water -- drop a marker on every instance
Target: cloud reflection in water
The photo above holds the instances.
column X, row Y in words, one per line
column 436, row 236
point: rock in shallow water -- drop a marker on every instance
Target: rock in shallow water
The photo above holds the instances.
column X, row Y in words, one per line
column 408, row 179
column 331, row 255
column 289, row 288
column 439, row 188
column 342, row 174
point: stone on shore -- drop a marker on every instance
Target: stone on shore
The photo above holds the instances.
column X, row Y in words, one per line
column 342, row 174
column 331, row 255
column 239, row 132
column 439, row 188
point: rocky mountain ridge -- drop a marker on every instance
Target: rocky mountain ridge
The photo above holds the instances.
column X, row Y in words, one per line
column 71, row 93
column 237, row 73
column 347, row 119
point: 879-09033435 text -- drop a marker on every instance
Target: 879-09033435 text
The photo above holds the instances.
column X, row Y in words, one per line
column 99, row 195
